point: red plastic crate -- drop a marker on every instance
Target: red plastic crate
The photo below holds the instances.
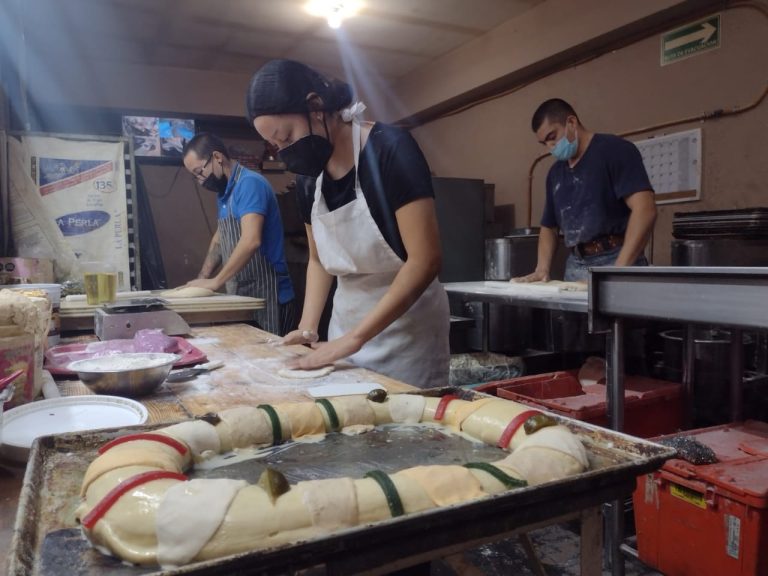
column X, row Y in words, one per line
column 651, row 407
column 708, row 520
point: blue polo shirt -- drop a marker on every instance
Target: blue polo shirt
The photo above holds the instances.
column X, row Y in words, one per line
column 251, row 193
column 587, row 201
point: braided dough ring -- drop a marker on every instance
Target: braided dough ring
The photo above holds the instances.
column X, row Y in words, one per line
column 160, row 517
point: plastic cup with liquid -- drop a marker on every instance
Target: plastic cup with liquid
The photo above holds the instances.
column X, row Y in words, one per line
column 100, row 281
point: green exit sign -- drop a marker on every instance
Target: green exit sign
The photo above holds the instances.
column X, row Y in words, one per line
column 690, row 40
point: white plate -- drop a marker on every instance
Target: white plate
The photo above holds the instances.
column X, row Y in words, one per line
column 329, row 390
column 21, row 425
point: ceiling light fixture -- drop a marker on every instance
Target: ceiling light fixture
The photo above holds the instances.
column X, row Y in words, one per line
column 334, row 11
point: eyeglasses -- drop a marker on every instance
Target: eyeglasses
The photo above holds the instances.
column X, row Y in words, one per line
column 198, row 173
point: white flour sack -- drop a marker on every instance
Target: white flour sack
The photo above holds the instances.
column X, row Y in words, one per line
column 82, row 186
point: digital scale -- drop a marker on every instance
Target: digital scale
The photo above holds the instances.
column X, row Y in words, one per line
column 121, row 320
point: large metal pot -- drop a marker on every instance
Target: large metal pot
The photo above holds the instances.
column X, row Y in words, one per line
column 711, row 351
column 512, row 255
column 711, row 369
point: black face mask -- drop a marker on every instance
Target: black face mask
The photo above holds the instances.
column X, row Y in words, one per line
column 215, row 183
column 308, row 155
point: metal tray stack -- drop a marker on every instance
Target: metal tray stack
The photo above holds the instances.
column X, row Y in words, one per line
column 47, row 540
column 744, row 223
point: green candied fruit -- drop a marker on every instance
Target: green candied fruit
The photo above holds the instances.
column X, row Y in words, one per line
column 273, row 483
column 537, row 422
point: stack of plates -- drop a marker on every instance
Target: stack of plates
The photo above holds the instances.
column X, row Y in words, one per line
column 746, row 223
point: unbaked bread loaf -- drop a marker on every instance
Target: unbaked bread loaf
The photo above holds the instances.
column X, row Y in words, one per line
column 138, row 505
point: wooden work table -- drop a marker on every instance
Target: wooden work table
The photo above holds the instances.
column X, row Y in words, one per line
column 247, row 378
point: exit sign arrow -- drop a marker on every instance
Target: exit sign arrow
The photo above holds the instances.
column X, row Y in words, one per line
column 702, row 36
column 691, row 39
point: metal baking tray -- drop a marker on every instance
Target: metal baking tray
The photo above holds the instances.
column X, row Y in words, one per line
column 48, row 542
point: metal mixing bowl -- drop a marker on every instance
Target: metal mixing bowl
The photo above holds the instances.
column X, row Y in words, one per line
column 136, row 374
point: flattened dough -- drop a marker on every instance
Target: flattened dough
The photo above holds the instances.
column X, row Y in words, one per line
column 564, row 286
column 554, row 285
column 305, row 374
column 187, row 292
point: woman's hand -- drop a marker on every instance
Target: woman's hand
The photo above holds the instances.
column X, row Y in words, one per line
column 327, row 353
column 299, row 337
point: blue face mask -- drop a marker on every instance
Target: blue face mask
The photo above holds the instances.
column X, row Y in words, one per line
column 565, row 150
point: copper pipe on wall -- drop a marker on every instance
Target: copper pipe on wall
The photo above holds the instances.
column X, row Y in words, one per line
column 529, row 197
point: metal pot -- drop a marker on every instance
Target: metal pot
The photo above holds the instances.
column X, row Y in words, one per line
column 512, row 255
column 711, row 369
column 711, row 350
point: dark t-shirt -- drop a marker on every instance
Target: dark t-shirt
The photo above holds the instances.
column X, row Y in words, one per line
column 587, row 201
column 393, row 172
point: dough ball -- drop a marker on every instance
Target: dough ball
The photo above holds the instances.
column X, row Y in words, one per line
column 305, row 374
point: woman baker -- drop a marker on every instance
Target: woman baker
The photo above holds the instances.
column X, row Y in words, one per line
column 366, row 196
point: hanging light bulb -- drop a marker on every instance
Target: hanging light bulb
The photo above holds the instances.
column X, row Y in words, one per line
column 335, row 20
column 334, row 11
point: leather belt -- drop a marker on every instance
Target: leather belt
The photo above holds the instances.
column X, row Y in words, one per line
column 598, row 245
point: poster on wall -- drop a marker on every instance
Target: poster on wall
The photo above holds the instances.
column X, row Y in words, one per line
column 35, row 234
column 161, row 137
column 82, row 188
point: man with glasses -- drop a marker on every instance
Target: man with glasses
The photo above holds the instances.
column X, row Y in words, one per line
column 246, row 252
column 598, row 195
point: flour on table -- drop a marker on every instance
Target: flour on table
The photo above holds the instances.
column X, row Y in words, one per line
column 120, row 363
column 571, row 286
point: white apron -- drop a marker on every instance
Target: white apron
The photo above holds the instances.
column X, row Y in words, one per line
column 350, row 246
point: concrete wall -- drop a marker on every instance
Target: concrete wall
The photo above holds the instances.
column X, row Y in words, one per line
column 548, row 31
column 136, row 87
column 185, row 217
column 622, row 91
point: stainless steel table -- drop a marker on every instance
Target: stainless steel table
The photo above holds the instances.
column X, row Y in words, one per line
column 494, row 292
column 728, row 296
column 731, row 297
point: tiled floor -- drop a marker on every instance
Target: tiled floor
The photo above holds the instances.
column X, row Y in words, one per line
column 557, row 548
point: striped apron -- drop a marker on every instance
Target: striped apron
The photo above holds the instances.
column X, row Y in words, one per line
column 258, row 278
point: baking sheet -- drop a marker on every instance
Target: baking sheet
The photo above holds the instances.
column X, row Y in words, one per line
column 47, row 541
